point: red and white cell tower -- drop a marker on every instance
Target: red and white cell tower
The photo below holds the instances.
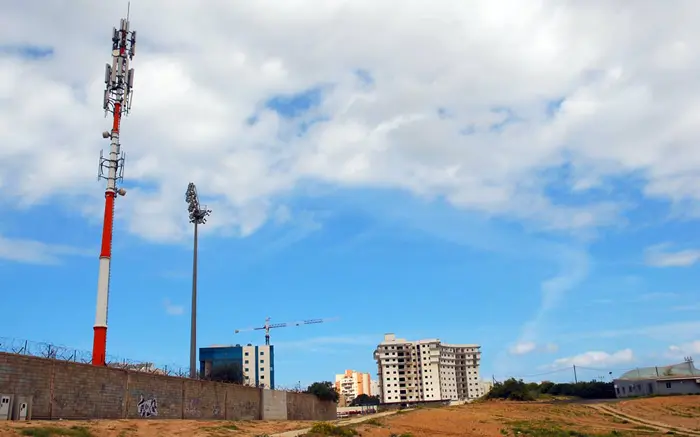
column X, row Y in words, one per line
column 119, row 81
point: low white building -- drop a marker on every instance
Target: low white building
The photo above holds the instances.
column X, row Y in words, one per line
column 675, row 379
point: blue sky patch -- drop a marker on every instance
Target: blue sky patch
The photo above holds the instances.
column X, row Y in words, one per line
column 294, row 105
column 27, row 51
column 364, row 76
column 553, row 106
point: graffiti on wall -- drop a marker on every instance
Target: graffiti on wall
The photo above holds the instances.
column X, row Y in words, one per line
column 192, row 408
column 147, row 407
column 216, row 412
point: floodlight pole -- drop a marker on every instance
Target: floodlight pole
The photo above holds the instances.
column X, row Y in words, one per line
column 193, row 322
column 198, row 215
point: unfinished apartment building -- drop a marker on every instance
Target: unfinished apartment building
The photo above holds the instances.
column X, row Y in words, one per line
column 427, row 370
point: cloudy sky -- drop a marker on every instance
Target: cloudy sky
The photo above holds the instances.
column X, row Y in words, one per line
column 518, row 174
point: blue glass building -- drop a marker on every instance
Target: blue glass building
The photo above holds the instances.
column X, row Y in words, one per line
column 257, row 362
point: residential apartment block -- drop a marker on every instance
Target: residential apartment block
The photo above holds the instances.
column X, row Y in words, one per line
column 427, row 370
column 374, row 388
column 351, row 384
column 257, row 362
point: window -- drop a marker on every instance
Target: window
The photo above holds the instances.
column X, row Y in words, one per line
column 262, row 353
column 246, row 354
column 262, row 361
column 262, row 369
column 246, row 361
column 246, row 369
column 668, row 385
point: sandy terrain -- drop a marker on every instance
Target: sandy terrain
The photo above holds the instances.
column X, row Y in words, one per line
column 677, row 411
column 497, row 418
column 153, row 428
column 643, row 417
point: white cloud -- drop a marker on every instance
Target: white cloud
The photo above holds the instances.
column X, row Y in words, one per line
column 595, row 359
column 573, row 269
column 689, row 307
column 172, row 309
column 36, row 252
column 660, row 295
column 623, row 78
column 683, row 350
column 523, row 348
column 657, row 256
column 675, row 331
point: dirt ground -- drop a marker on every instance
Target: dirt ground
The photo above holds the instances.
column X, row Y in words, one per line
column 506, row 418
column 678, row 415
column 151, row 428
column 677, row 411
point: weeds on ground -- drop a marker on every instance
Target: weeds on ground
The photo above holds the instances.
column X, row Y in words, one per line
column 221, row 430
column 373, row 421
column 227, row 427
column 328, row 429
column 555, row 431
column 50, row 431
column 406, row 434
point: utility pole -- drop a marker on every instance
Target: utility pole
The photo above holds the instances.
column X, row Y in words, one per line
column 119, row 82
column 198, row 215
column 575, row 377
column 691, row 367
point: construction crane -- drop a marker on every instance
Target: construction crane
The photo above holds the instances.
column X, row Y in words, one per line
column 269, row 326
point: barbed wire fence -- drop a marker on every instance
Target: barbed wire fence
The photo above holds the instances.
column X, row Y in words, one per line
column 62, row 353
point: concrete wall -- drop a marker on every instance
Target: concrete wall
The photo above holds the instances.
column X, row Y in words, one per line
column 274, row 405
column 625, row 388
column 689, row 386
column 65, row 390
column 302, row 406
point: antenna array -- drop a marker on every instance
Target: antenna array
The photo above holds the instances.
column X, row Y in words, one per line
column 119, row 83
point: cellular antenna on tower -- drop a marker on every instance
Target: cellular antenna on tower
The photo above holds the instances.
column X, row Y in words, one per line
column 119, row 81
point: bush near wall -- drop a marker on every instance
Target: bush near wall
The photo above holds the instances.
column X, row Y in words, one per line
column 517, row 390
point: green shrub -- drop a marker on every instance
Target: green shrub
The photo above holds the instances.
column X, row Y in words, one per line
column 325, row 428
column 517, row 390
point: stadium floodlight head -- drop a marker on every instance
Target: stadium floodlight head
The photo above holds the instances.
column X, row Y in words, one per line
column 198, row 212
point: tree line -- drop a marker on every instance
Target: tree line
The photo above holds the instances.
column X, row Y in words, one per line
column 518, row 390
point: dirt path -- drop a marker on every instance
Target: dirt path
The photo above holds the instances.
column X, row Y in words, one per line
column 663, row 427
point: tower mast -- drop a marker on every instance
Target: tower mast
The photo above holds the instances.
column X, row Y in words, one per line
column 119, row 80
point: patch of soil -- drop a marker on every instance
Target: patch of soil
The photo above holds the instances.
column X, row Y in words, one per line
column 153, row 428
column 678, row 411
column 492, row 419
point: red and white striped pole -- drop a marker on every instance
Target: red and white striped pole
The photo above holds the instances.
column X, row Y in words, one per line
column 119, row 80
